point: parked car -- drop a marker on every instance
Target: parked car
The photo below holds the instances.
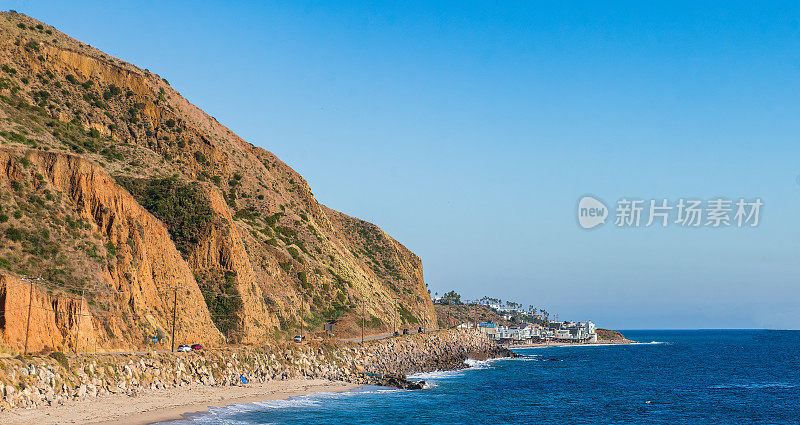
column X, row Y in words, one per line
column 405, row 331
column 420, row 330
column 396, row 333
column 184, row 347
column 197, row 347
column 298, row 338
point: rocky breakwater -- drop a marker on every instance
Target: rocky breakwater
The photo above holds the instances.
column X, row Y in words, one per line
column 55, row 379
column 52, row 380
column 387, row 361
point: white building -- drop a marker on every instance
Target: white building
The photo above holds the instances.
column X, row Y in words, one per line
column 576, row 331
column 561, row 331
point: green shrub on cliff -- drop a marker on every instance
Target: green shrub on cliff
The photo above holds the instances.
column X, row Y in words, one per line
column 295, row 254
column 373, row 322
column 303, row 279
column 61, row 358
column 181, row 206
column 405, row 315
column 272, row 219
column 222, row 298
column 14, row 234
column 112, row 91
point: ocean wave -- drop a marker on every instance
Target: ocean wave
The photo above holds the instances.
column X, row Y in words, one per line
column 755, row 386
column 528, row 358
column 436, row 374
column 225, row 415
column 317, row 399
column 472, row 364
column 537, row 358
column 429, row 384
column 477, row 364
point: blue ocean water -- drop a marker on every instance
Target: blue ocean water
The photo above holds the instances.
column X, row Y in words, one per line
column 673, row 377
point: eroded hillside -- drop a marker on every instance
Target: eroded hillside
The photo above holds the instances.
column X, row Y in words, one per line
column 127, row 200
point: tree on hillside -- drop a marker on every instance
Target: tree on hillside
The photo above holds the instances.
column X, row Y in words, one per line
column 453, row 297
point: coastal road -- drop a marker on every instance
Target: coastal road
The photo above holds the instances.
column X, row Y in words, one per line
column 382, row 336
column 358, row 339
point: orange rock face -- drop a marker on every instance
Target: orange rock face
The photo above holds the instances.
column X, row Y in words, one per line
column 139, row 281
column 115, row 186
column 55, row 323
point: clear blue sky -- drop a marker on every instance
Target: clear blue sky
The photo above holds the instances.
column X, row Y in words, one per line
column 468, row 131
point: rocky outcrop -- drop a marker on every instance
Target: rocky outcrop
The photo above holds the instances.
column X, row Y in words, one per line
column 398, row 381
column 608, row 336
column 428, row 352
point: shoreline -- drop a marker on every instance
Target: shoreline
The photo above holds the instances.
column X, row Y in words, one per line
column 568, row 344
column 157, row 387
column 151, row 407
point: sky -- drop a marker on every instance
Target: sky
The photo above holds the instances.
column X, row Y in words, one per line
column 469, row 131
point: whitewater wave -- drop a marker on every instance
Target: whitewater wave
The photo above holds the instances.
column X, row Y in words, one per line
column 755, row 386
column 477, row 364
column 528, row 358
column 435, row 375
column 537, row 358
column 225, row 415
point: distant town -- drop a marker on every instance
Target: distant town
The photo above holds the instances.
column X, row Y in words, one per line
column 515, row 324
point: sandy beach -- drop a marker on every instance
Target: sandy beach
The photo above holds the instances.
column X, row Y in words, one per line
column 163, row 405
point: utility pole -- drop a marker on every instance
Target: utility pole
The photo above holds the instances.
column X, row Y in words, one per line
column 475, row 313
column 302, row 305
column 363, row 307
column 80, row 314
column 266, row 335
column 449, row 316
column 174, row 316
column 469, row 314
column 421, row 322
column 28, row 323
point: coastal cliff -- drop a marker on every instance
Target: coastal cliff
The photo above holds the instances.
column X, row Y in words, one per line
column 123, row 204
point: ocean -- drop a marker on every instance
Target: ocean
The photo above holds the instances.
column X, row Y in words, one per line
column 671, row 377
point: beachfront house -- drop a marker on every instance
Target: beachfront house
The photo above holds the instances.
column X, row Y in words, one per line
column 559, row 331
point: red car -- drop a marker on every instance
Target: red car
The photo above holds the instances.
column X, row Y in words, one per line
column 197, row 347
